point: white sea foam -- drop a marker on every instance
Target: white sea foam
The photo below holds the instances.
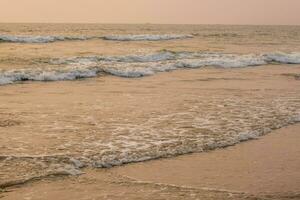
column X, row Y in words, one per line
column 68, row 73
column 179, row 132
column 39, row 39
column 141, row 65
column 49, row 38
column 129, row 72
column 146, row 37
column 285, row 58
column 133, row 151
column 162, row 56
column 225, row 61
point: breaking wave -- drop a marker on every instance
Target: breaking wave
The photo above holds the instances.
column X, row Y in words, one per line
column 146, row 37
column 39, row 39
column 48, row 39
column 68, row 73
column 141, row 65
column 284, row 58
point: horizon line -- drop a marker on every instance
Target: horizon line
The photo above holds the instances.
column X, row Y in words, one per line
column 149, row 23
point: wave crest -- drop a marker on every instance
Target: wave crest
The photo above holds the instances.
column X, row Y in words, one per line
column 48, row 39
column 132, row 66
column 284, row 58
column 146, row 37
column 68, row 73
column 39, row 39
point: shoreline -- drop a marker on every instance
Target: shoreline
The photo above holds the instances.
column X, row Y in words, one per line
column 16, row 183
column 190, row 172
column 275, row 144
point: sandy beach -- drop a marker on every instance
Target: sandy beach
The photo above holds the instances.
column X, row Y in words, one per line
column 260, row 169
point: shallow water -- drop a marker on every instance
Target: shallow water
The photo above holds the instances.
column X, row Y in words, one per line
column 242, row 83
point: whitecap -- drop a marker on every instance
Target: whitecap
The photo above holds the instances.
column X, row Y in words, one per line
column 284, row 58
column 146, row 37
column 68, row 73
column 39, row 39
column 132, row 66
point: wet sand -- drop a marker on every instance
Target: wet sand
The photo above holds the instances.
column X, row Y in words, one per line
column 269, row 165
column 267, row 168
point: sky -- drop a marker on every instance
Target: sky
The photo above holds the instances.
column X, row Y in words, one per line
column 272, row 12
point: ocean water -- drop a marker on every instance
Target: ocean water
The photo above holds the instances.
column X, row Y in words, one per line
column 63, row 126
column 83, row 51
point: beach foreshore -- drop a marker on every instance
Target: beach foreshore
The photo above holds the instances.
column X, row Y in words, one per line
column 49, row 131
column 267, row 168
column 269, row 165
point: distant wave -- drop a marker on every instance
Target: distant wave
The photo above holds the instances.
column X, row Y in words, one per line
column 48, row 39
column 284, row 58
column 39, row 39
column 146, row 37
column 132, row 66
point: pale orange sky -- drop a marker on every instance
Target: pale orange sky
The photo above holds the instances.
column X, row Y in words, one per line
column 153, row 11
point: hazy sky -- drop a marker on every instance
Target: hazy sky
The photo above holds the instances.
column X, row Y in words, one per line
column 153, row 11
